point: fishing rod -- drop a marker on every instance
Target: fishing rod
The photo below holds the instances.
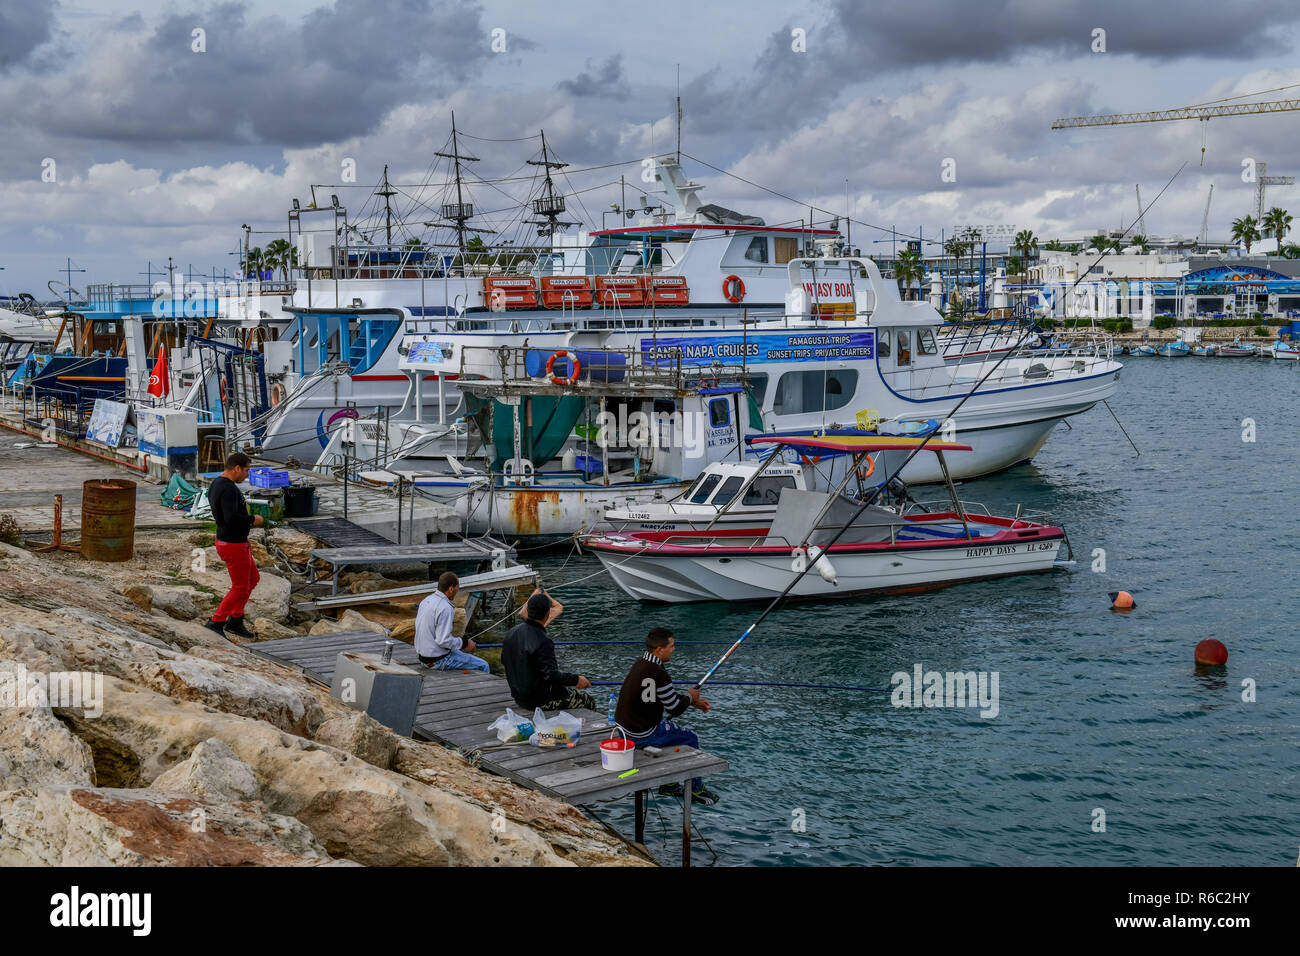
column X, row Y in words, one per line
column 869, row 499
column 640, row 643
column 763, row 683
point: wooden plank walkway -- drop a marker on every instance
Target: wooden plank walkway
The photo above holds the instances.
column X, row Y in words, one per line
column 373, row 555
column 456, row 708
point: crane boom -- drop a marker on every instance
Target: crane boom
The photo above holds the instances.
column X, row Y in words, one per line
column 1187, row 112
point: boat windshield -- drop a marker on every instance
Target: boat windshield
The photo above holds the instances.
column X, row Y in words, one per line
column 766, row 489
column 728, row 490
column 705, row 488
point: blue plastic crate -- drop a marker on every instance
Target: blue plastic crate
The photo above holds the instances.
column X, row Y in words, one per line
column 268, row 478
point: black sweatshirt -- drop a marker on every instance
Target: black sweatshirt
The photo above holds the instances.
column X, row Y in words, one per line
column 647, row 697
column 532, row 672
column 229, row 511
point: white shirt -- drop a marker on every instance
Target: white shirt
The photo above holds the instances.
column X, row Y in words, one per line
column 433, row 623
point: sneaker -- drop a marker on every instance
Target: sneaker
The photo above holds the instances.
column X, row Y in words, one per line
column 705, row 796
column 235, row 626
column 672, row 790
column 216, row 627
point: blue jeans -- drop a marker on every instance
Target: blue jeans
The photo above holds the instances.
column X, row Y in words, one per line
column 668, row 734
column 460, row 661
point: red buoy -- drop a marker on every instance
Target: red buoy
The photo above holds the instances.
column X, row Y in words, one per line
column 1121, row 601
column 1212, row 652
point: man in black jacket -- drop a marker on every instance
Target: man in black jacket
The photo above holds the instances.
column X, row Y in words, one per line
column 648, row 701
column 230, row 512
column 528, row 656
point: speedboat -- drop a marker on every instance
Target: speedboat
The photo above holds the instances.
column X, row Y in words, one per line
column 855, row 547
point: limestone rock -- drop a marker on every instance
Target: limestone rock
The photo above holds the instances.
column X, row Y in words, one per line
column 362, row 736
column 9, row 552
column 270, row 599
column 182, row 603
column 212, row 771
column 295, row 545
column 349, row 620
column 36, row 749
column 404, row 631
column 84, row 826
column 357, row 811
column 141, row 595
column 268, row 630
column 363, row 582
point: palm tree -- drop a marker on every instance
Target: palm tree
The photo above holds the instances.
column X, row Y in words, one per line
column 254, row 261
column 1099, row 242
column 1291, row 251
column 909, row 268
column 281, row 255
column 1141, row 242
column 1026, row 244
column 1054, row 245
column 1278, row 222
column 1245, row 230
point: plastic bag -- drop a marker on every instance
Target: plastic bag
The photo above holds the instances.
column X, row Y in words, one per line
column 557, row 731
column 511, row 728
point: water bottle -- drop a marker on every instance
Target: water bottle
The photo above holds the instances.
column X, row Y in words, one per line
column 613, row 705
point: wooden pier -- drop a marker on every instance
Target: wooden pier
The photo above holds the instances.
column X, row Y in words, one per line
column 456, row 708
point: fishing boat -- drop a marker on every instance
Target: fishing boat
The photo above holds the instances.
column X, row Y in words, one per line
column 1237, row 350
column 855, row 548
column 1282, row 349
column 1142, row 350
column 1174, row 349
column 1205, row 351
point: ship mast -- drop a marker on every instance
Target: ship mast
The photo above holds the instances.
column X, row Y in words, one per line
column 386, row 192
column 550, row 204
column 460, row 210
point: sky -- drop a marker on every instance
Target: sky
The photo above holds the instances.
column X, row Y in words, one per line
column 134, row 131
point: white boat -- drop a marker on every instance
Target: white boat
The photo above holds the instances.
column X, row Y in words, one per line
column 710, row 501
column 1289, row 351
column 1237, row 350
column 882, row 551
column 22, row 319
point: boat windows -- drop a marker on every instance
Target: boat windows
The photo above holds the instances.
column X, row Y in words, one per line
column 757, row 251
column 758, row 386
column 904, row 348
column 719, row 413
column 814, row 391
column 925, row 339
column 787, row 248
column 728, row 490
column 766, row 489
column 882, row 343
column 705, row 489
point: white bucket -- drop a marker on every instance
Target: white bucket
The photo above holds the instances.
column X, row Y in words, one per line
column 617, row 755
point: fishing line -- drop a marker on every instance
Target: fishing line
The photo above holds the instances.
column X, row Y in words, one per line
column 1106, row 402
column 760, row 683
column 868, row 499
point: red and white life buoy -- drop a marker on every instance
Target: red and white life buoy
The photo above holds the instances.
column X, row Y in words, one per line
column 573, row 374
column 733, row 287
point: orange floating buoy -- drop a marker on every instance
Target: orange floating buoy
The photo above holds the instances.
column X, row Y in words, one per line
column 1211, row 652
column 1121, row 601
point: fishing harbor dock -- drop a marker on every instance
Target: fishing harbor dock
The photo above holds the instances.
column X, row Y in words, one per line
column 455, row 709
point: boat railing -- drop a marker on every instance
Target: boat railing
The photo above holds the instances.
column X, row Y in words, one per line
column 628, row 368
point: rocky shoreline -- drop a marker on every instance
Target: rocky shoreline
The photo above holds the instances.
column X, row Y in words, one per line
column 201, row 753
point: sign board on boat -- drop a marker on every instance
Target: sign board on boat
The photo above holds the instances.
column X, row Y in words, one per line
column 107, row 422
column 785, row 347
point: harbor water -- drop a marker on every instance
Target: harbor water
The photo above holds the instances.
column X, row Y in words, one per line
column 1097, row 711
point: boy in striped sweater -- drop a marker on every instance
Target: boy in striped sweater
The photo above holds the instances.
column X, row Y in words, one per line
column 648, row 702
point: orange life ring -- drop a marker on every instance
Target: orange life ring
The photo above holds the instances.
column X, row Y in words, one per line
column 550, row 367
column 277, row 394
column 221, row 386
column 739, row 292
column 810, row 461
column 871, row 468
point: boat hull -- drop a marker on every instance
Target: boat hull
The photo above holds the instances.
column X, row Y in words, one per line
column 672, row 577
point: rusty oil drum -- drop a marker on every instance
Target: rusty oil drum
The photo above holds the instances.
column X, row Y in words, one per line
column 108, row 519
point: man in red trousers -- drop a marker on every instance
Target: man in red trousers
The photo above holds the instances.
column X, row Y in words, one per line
column 230, row 511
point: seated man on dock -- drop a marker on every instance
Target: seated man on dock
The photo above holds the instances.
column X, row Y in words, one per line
column 648, row 701
column 528, row 656
column 433, row 638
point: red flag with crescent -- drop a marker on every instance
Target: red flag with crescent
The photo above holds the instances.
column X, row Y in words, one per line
column 158, row 379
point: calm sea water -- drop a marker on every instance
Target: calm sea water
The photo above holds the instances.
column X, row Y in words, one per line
column 1097, row 710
